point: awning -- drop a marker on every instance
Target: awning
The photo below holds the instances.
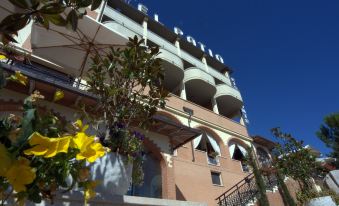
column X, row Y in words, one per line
column 71, row 50
column 264, row 142
column 178, row 134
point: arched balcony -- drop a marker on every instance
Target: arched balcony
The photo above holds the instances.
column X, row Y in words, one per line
column 200, row 86
column 229, row 100
column 174, row 70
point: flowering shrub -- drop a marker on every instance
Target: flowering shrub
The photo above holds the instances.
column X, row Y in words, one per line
column 41, row 155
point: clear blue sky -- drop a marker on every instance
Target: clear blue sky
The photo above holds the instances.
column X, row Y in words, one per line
column 285, row 56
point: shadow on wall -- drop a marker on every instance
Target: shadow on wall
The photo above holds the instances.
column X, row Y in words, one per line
column 179, row 194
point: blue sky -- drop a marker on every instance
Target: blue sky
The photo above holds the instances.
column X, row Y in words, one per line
column 285, row 56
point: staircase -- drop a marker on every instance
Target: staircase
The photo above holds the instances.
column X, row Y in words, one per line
column 245, row 192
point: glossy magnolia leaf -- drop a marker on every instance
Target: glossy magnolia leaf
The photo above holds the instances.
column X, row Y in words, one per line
column 6, row 38
column 52, row 8
column 95, row 4
column 14, row 23
column 72, row 20
column 55, row 19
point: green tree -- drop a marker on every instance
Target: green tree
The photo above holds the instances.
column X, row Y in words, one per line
column 262, row 200
column 285, row 193
column 329, row 134
column 294, row 160
column 58, row 12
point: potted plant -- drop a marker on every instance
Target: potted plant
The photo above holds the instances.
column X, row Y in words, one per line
column 39, row 154
column 128, row 84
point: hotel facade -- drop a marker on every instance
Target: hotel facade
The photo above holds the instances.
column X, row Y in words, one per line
column 195, row 151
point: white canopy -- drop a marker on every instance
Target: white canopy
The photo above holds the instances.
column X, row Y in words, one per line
column 72, row 50
column 214, row 143
column 196, row 141
column 233, row 146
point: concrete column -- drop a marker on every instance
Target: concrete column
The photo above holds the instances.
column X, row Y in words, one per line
column 144, row 25
column 205, row 63
column 168, row 180
column 177, row 44
column 183, row 91
column 242, row 121
column 227, row 74
column 215, row 106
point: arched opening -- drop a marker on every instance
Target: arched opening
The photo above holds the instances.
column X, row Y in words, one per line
column 263, row 157
column 207, row 143
column 152, row 185
column 239, row 153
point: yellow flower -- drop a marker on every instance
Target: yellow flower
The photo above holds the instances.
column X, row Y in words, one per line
column 5, row 160
column 20, row 174
column 79, row 126
column 58, row 95
column 89, row 149
column 89, row 190
column 2, row 57
column 18, row 77
column 47, row 147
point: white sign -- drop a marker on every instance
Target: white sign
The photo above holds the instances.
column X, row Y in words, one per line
column 179, row 32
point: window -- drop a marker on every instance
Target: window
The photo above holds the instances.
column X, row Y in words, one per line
column 263, row 158
column 216, row 178
column 238, row 152
column 207, row 143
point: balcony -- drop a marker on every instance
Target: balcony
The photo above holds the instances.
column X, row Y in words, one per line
column 174, row 69
column 229, row 100
column 200, row 86
column 120, row 29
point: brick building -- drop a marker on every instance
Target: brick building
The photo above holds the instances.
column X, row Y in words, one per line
column 195, row 152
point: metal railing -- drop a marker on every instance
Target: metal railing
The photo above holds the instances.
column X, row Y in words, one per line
column 245, row 191
column 48, row 76
column 240, row 194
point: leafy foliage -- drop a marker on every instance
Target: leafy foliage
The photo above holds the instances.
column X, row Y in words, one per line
column 304, row 197
column 294, row 160
column 285, row 193
column 60, row 13
column 262, row 200
column 42, row 154
column 128, row 83
column 329, row 134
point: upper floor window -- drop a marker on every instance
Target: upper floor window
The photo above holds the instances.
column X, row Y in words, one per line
column 207, row 143
column 263, row 157
column 238, row 152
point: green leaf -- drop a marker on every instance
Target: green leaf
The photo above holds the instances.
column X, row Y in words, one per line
column 72, row 19
column 95, row 4
column 27, row 125
column 56, row 19
column 13, row 23
column 52, row 8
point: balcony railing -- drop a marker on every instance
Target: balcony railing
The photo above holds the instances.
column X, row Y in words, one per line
column 49, row 76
